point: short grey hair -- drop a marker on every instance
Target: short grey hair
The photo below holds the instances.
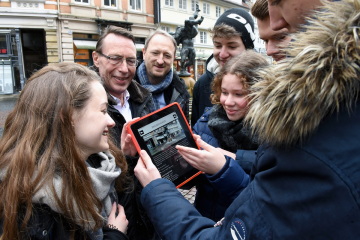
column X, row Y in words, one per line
column 160, row 32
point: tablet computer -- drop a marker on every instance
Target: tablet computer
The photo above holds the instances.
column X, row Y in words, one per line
column 158, row 133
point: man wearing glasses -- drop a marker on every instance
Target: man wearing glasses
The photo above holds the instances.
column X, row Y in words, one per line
column 115, row 62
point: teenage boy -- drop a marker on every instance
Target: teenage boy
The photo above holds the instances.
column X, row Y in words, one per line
column 233, row 33
column 274, row 40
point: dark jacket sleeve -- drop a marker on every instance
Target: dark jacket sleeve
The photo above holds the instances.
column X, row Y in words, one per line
column 113, row 234
column 159, row 198
column 302, row 205
column 231, row 180
column 245, row 158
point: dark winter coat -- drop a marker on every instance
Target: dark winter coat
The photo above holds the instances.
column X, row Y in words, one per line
column 201, row 93
column 176, row 92
column 46, row 224
column 305, row 182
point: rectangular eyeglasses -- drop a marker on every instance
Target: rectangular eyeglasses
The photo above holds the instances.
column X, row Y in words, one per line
column 115, row 60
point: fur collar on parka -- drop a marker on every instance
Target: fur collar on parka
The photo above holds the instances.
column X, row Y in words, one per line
column 320, row 76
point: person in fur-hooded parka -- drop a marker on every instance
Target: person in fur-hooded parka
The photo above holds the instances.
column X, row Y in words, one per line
column 305, row 182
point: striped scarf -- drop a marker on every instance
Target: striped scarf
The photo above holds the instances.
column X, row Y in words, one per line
column 157, row 89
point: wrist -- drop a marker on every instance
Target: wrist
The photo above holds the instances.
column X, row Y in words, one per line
column 111, row 226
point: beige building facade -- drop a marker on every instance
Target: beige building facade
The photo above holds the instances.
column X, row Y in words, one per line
column 34, row 33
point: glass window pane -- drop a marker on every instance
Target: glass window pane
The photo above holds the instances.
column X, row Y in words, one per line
column 106, row 2
column 138, row 5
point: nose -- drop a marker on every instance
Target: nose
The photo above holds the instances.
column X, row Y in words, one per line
column 229, row 100
column 123, row 67
column 160, row 59
column 223, row 53
column 272, row 48
column 111, row 122
column 277, row 22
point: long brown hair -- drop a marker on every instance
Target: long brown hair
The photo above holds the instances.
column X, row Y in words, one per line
column 245, row 66
column 39, row 143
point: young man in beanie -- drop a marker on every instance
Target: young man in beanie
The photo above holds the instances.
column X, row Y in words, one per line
column 232, row 34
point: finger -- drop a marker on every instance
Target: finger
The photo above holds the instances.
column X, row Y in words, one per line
column 140, row 163
column 182, row 148
column 113, row 211
column 124, row 130
column 196, row 137
column 128, row 138
column 204, row 145
column 147, row 160
column 121, row 210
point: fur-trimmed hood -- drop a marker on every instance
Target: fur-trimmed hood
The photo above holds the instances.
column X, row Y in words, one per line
column 320, row 76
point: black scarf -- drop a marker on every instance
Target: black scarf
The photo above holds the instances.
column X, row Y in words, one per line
column 230, row 135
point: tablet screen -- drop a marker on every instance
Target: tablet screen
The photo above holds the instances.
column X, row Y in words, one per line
column 158, row 134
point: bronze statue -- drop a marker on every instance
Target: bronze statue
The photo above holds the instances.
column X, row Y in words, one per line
column 185, row 35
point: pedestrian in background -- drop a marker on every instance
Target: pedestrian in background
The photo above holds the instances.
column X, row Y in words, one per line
column 58, row 169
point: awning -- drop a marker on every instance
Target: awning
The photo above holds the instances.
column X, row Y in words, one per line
column 85, row 44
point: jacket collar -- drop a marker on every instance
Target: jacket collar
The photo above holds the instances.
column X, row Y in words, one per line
column 320, row 76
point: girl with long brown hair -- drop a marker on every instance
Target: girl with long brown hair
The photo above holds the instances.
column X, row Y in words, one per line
column 58, row 169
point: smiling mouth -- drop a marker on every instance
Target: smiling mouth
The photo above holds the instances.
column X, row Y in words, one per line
column 231, row 111
column 120, row 78
column 104, row 133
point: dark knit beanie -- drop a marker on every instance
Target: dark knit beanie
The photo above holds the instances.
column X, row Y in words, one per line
column 242, row 22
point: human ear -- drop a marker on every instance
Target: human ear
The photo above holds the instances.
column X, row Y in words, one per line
column 95, row 58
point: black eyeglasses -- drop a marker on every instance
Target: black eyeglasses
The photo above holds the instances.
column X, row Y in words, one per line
column 115, row 60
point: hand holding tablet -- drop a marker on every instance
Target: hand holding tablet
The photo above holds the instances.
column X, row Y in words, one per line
column 145, row 170
column 158, row 133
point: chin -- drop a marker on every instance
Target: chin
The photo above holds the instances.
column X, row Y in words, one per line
column 235, row 118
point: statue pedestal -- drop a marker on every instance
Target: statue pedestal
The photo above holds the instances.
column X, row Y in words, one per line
column 183, row 73
column 190, row 82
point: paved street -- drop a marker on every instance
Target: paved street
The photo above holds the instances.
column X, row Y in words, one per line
column 189, row 194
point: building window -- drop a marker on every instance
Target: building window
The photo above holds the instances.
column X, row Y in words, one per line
column 169, row 3
column 165, row 28
column 135, row 5
column 110, row 3
column 4, row 42
column 193, row 5
column 206, row 8
column 203, row 37
column 182, row 4
column 82, row 1
column 218, row 11
column 225, row 9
